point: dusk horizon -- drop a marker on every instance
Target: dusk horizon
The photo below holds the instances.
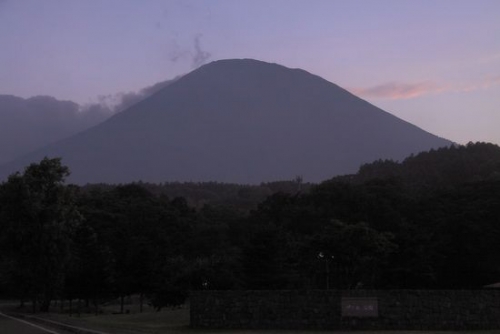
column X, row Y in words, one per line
column 249, row 166
column 435, row 65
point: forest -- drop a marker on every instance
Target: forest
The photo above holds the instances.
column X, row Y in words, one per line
column 431, row 221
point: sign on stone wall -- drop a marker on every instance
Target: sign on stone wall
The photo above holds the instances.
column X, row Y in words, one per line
column 359, row 307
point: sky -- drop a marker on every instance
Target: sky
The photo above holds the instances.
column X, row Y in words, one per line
column 434, row 63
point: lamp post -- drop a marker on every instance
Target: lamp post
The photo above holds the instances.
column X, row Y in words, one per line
column 327, row 259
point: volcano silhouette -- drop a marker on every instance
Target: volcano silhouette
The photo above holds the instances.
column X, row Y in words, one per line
column 241, row 121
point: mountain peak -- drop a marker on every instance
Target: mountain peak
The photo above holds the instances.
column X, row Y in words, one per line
column 242, row 121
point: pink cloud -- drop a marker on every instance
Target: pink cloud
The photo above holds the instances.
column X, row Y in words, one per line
column 483, row 84
column 487, row 83
column 397, row 90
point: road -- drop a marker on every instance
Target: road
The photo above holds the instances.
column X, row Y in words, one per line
column 10, row 325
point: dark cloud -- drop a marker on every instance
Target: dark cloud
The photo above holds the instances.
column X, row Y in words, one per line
column 177, row 54
column 110, row 104
column 200, row 56
column 122, row 101
column 94, row 113
column 28, row 124
column 157, row 86
column 197, row 57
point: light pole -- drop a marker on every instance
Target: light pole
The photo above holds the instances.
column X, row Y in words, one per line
column 327, row 258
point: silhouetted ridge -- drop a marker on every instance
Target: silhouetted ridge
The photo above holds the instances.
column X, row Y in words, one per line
column 446, row 166
column 242, row 121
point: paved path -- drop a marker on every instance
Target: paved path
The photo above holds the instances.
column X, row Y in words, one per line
column 9, row 325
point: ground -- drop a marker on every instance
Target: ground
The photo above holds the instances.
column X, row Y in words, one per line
column 176, row 321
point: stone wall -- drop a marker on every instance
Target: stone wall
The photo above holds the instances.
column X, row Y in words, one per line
column 334, row 309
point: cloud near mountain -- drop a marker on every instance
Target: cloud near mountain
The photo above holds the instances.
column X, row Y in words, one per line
column 121, row 101
column 29, row 124
column 398, row 90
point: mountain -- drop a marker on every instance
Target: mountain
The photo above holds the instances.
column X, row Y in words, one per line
column 43, row 119
column 239, row 121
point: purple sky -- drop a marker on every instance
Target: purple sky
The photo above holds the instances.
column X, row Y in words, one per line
column 433, row 63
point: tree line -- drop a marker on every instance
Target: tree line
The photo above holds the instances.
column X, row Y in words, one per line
column 430, row 221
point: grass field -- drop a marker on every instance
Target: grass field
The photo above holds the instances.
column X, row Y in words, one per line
column 165, row 321
column 176, row 321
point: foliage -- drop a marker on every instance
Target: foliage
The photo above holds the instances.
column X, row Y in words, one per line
column 428, row 222
column 39, row 217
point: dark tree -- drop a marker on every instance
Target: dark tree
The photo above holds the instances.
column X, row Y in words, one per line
column 39, row 217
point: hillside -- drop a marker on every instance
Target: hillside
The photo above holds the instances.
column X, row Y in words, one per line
column 443, row 167
column 237, row 121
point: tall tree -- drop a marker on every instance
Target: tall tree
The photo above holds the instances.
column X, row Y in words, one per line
column 39, row 216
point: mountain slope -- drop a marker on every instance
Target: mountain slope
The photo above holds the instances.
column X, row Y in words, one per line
column 241, row 121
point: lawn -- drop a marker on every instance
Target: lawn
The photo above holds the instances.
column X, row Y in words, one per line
column 176, row 321
column 165, row 321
